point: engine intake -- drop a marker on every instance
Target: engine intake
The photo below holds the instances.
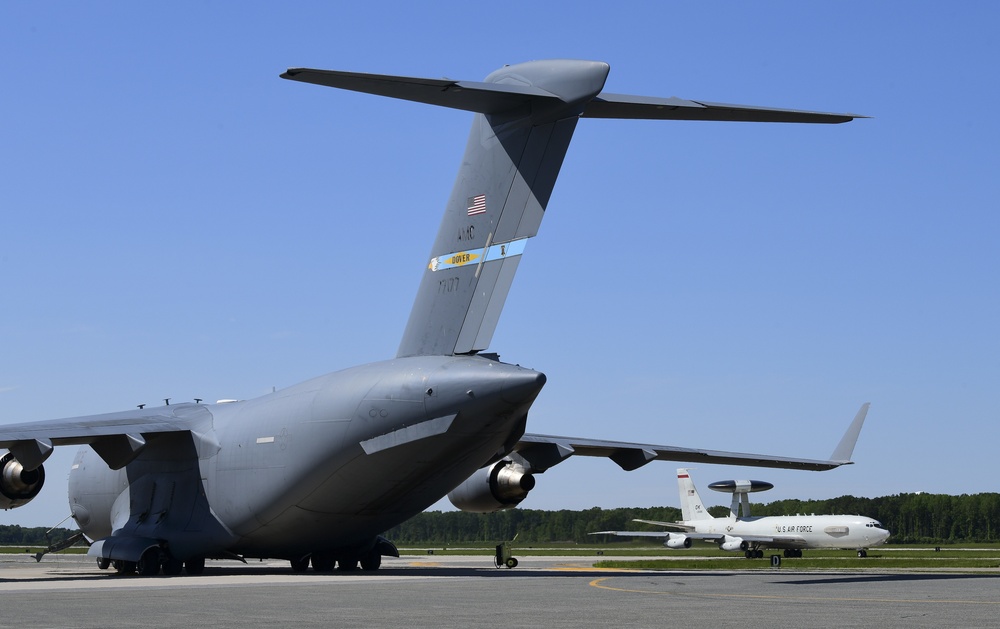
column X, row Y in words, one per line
column 500, row 486
column 17, row 485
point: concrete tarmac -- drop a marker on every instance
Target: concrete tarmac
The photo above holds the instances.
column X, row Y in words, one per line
column 447, row 591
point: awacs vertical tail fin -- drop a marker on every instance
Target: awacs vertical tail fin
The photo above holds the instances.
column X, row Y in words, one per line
column 525, row 118
column 692, row 508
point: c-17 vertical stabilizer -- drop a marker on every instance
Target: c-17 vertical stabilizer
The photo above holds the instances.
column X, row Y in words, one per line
column 525, row 118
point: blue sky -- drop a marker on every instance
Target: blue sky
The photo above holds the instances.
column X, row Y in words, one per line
column 179, row 222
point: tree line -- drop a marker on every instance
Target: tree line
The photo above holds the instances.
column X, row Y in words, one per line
column 14, row 535
column 911, row 518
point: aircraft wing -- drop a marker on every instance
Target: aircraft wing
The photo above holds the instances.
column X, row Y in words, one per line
column 780, row 541
column 671, row 525
column 708, row 537
column 117, row 437
column 538, row 453
column 634, row 533
column 688, row 531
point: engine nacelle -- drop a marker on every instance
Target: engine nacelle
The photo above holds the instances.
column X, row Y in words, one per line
column 500, row 486
column 678, row 541
column 733, row 543
column 17, row 485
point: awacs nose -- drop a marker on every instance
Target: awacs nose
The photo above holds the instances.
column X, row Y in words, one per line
column 522, row 386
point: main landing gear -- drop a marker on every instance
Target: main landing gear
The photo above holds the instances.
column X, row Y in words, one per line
column 326, row 561
column 153, row 562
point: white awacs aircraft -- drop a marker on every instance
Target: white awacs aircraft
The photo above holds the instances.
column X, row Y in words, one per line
column 752, row 535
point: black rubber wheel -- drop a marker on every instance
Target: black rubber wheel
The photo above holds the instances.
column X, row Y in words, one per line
column 347, row 565
column 323, row 562
column 194, row 565
column 149, row 563
column 124, row 568
column 372, row 561
column 172, row 567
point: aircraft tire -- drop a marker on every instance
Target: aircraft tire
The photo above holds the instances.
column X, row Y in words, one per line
column 347, row 565
column 123, row 568
column 372, row 561
column 300, row 565
column 862, row 553
column 103, row 563
column 323, row 562
column 172, row 567
column 759, row 554
column 512, row 562
column 194, row 565
column 149, row 563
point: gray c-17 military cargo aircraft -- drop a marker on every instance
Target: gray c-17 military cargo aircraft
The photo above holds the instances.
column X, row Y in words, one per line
column 315, row 472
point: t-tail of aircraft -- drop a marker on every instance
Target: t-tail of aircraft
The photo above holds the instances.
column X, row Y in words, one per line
column 525, row 118
column 692, row 508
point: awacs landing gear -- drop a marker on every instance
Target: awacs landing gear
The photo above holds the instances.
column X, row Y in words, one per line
column 754, row 554
column 791, row 553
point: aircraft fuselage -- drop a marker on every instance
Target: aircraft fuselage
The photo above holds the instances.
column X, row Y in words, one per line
column 800, row 531
column 328, row 463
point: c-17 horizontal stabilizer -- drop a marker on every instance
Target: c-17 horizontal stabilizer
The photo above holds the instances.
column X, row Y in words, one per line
column 525, row 118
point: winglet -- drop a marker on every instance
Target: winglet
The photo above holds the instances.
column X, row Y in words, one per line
column 842, row 453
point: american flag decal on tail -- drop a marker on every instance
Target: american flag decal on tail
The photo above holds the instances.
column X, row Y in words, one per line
column 477, row 205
